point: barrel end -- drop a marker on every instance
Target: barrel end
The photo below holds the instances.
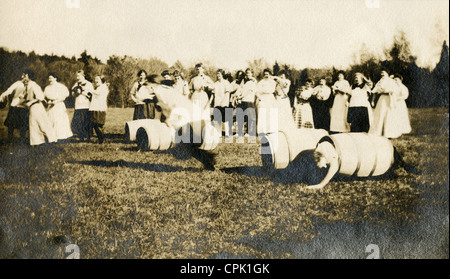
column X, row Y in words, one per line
column 142, row 139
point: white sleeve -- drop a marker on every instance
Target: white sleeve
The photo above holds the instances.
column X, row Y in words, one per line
column 12, row 88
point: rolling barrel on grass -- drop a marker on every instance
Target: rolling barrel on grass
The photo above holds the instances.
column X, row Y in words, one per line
column 131, row 128
column 200, row 133
column 280, row 148
column 362, row 154
column 154, row 135
column 210, row 137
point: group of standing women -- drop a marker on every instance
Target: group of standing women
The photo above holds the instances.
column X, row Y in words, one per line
column 362, row 107
column 359, row 107
column 242, row 99
column 44, row 113
column 345, row 107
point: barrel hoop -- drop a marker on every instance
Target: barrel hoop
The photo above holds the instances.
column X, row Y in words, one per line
column 375, row 163
column 325, row 139
column 338, row 149
column 358, row 166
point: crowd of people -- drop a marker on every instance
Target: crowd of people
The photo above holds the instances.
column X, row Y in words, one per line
column 358, row 107
column 44, row 114
column 343, row 107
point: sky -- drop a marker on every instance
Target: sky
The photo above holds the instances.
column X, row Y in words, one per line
column 302, row 33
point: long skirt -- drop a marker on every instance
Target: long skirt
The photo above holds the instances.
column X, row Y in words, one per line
column 338, row 116
column 246, row 114
column 397, row 120
column 265, row 115
column 60, row 121
column 321, row 114
column 303, row 116
column 40, row 125
column 380, row 118
column 98, row 119
column 146, row 111
column 285, row 117
column 200, row 98
column 17, row 118
column 403, row 117
column 81, row 123
column 358, row 118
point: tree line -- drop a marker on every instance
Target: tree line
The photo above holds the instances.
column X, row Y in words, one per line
column 428, row 87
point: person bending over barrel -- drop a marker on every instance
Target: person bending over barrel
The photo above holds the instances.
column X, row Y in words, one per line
column 357, row 154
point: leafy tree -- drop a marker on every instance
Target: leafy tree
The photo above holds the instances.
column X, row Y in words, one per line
column 440, row 78
column 258, row 66
column 121, row 73
column 276, row 68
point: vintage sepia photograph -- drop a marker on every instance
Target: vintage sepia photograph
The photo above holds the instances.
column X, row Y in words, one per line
column 224, row 130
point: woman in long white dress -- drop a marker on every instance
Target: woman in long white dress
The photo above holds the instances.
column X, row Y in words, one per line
column 405, row 124
column 384, row 125
column 338, row 115
column 41, row 131
column 397, row 122
column 282, row 100
column 55, row 93
column 265, row 102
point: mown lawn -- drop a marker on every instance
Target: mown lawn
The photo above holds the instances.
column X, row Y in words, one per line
column 115, row 202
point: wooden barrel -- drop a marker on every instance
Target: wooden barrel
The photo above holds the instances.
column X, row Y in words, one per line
column 200, row 133
column 210, row 137
column 300, row 140
column 154, row 135
column 275, row 151
column 363, row 154
column 280, row 148
column 131, row 127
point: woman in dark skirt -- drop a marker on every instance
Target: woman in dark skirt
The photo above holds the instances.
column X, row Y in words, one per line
column 98, row 107
column 80, row 121
column 359, row 111
column 320, row 104
column 18, row 113
column 143, row 109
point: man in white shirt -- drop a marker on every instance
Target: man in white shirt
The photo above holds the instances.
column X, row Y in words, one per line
column 81, row 92
column 18, row 115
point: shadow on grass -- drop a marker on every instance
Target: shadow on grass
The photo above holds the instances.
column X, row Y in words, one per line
column 143, row 166
column 302, row 170
column 117, row 138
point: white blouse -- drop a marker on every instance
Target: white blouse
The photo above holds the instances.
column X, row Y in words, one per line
column 99, row 98
column 222, row 93
column 56, row 92
column 359, row 97
column 322, row 92
column 342, row 86
column 386, row 85
column 81, row 101
column 249, row 91
column 266, row 86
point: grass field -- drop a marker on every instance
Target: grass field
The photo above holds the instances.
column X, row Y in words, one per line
column 115, row 202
